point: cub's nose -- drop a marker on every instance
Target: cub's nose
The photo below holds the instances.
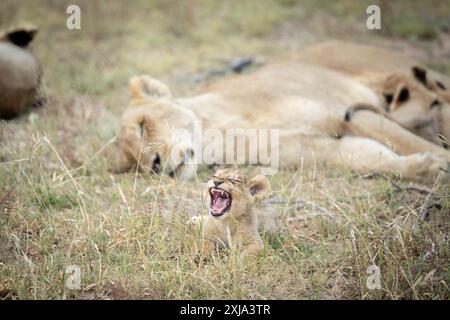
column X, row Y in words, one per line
column 217, row 183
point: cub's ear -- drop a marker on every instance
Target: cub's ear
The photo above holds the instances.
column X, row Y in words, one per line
column 401, row 95
column 145, row 87
column 420, row 74
column 259, row 187
column 20, row 36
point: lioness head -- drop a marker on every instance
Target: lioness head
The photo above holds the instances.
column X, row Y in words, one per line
column 156, row 130
column 417, row 108
column 232, row 194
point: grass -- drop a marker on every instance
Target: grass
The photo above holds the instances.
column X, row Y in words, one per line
column 60, row 206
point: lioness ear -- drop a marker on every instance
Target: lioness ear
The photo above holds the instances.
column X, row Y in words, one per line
column 145, row 87
column 420, row 74
column 259, row 186
column 20, row 36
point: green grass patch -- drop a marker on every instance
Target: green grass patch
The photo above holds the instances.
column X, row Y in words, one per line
column 46, row 198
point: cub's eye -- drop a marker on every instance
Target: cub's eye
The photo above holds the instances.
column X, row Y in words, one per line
column 234, row 181
column 156, row 165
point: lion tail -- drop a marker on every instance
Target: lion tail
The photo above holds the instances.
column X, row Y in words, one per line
column 358, row 107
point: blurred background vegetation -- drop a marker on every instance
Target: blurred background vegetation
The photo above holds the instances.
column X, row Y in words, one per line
column 172, row 39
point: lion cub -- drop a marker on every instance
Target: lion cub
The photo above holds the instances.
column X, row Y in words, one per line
column 232, row 221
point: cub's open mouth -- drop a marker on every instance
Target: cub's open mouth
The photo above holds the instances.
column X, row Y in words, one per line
column 220, row 201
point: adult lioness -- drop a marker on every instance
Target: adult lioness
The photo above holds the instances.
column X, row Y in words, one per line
column 19, row 70
column 413, row 96
column 306, row 103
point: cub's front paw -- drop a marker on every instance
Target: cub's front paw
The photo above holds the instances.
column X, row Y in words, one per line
column 195, row 220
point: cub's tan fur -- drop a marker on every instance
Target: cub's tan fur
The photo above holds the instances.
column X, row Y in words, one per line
column 238, row 226
column 19, row 70
column 307, row 103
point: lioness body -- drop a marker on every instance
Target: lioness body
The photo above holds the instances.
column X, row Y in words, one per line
column 306, row 102
column 19, row 70
column 383, row 72
column 361, row 61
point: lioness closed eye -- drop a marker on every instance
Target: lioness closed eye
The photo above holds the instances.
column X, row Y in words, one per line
column 231, row 221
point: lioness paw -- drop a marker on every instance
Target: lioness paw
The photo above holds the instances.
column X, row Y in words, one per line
column 430, row 167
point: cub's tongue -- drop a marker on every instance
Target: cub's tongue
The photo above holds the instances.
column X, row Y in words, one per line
column 219, row 204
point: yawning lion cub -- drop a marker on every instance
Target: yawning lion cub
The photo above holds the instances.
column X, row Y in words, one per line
column 232, row 221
